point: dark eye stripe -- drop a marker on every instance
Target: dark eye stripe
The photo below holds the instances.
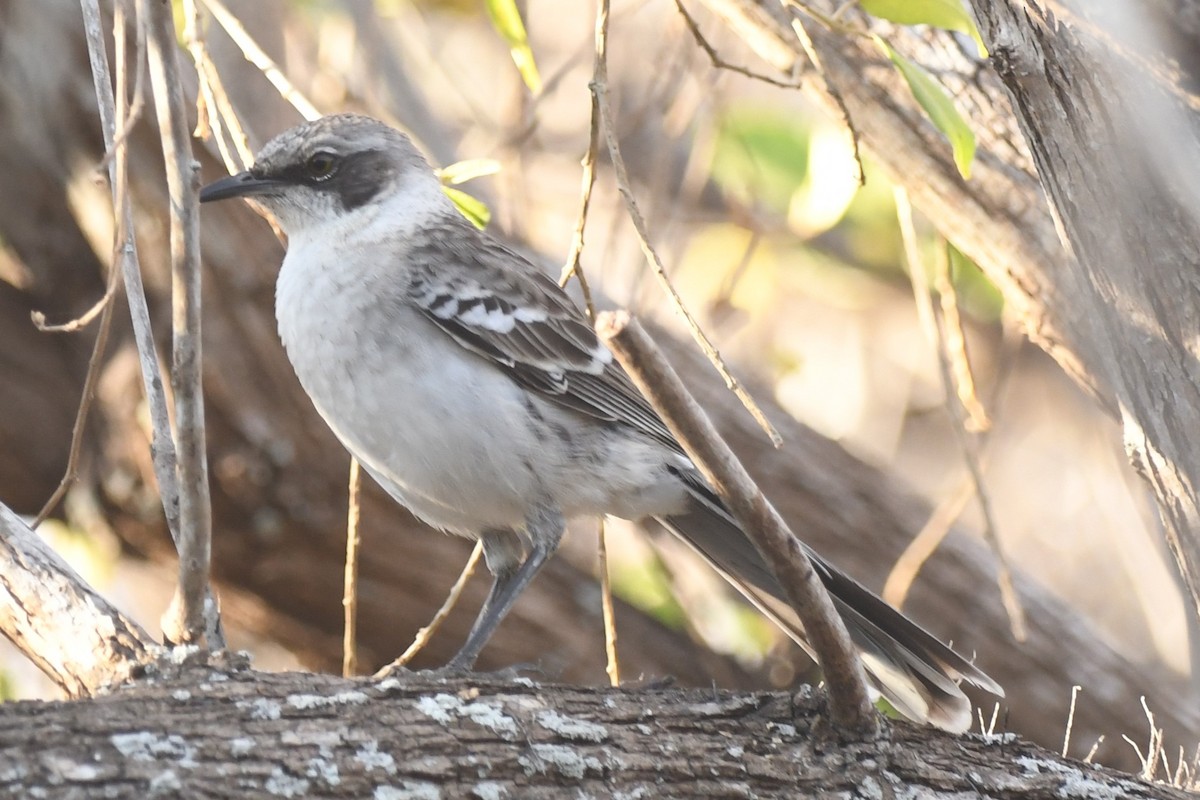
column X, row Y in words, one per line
column 358, row 178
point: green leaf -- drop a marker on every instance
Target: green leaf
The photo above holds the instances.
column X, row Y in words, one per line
column 947, row 14
column 472, row 168
column 938, row 105
column 761, row 155
column 507, row 22
column 470, row 207
column 976, row 293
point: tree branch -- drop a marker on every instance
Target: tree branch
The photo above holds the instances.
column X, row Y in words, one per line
column 844, row 676
column 62, row 625
column 220, row 734
column 189, row 617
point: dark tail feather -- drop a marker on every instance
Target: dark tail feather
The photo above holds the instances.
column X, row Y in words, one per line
column 909, row 666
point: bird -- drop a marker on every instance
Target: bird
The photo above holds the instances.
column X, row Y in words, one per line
column 471, row 387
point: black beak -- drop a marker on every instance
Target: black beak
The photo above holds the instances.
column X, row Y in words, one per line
column 243, row 184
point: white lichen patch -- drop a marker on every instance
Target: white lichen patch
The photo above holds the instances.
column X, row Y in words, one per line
column 870, row 789
column 69, row 770
column 784, row 729
column 241, row 745
column 571, row 727
column 409, row 790
column 166, row 784
column 321, row 739
column 439, row 708
column 491, row 717
column 1076, row 784
column 323, row 770
column 181, row 695
column 282, row 784
column 180, row 654
column 640, row 793
column 146, row 746
column 443, row 708
column 14, row 773
column 546, row 758
column 261, row 708
column 489, row 790
column 307, row 701
column 387, row 684
column 371, row 758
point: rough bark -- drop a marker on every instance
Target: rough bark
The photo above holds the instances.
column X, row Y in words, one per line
column 1109, row 125
column 205, row 733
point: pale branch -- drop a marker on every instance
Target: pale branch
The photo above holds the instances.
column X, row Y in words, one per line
column 350, row 574
column 162, row 443
column 599, row 87
column 192, row 616
column 851, row 704
column 60, row 623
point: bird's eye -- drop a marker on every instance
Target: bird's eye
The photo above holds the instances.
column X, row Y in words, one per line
column 321, row 165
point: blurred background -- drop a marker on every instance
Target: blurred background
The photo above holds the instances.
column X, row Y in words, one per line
column 752, row 199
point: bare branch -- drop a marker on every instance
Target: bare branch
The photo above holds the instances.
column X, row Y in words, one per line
column 930, row 317
column 599, row 88
column 849, row 701
column 350, row 579
column 715, row 57
column 259, row 58
column 60, row 623
column 162, row 444
column 612, row 663
column 425, row 634
column 122, row 237
column 185, row 619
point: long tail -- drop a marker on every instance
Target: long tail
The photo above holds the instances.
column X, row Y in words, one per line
column 910, row 667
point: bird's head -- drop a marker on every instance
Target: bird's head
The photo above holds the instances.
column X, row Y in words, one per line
column 321, row 171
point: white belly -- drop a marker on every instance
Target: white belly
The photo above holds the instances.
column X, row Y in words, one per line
column 443, row 430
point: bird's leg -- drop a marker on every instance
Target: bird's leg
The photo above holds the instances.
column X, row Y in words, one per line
column 543, row 529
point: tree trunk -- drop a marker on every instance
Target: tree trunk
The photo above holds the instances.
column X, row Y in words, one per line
column 214, row 733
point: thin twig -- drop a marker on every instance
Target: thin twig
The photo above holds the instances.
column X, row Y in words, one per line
column 208, row 114
column 425, row 634
column 185, row 620
column 612, row 664
column 572, row 268
column 222, row 116
column 810, row 50
column 720, row 63
column 955, row 342
column 162, row 444
column 83, row 320
column 929, row 539
column 259, row 58
column 849, row 702
column 599, row 87
column 350, row 579
column 1092, row 753
column 121, row 242
column 930, row 316
column 1070, row 720
column 925, row 544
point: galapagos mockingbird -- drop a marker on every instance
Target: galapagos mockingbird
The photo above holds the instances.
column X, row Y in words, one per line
column 475, row 392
